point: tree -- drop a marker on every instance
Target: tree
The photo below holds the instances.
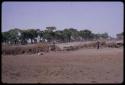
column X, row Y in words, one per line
column 46, row 35
column 51, row 29
column 32, row 34
column 86, row 34
column 67, row 34
column 49, row 33
column 96, row 36
column 5, row 37
column 39, row 33
column 101, row 36
column 120, row 35
column 74, row 34
column 59, row 35
column 14, row 35
column 104, row 35
column 24, row 36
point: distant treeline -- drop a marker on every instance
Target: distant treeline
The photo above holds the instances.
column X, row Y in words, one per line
column 50, row 34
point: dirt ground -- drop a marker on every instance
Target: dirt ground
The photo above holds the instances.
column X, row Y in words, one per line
column 81, row 66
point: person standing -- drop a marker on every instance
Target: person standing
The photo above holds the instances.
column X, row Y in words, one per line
column 54, row 46
column 98, row 44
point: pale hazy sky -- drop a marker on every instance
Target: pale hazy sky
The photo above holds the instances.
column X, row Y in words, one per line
column 99, row 17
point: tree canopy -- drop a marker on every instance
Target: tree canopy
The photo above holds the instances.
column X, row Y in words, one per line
column 50, row 34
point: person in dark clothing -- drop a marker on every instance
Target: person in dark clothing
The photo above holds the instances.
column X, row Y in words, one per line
column 98, row 44
column 53, row 47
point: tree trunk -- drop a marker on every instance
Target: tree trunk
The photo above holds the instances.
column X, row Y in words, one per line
column 15, row 42
column 31, row 41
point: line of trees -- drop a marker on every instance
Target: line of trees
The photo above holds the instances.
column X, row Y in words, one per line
column 50, row 34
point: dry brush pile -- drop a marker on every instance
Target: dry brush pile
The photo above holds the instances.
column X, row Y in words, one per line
column 44, row 47
column 21, row 49
column 102, row 44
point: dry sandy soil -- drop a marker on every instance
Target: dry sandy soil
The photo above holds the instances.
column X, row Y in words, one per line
column 80, row 66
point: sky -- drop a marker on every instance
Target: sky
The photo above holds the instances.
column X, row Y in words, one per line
column 99, row 17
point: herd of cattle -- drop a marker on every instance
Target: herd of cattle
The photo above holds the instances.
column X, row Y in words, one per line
column 44, row 47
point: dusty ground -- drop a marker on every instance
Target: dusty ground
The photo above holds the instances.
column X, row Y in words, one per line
column 80, row 66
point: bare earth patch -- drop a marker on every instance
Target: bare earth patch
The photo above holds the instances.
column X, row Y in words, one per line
column 80, row 66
